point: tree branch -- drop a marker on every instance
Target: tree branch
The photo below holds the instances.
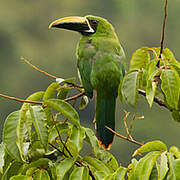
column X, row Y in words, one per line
column 39, row 102
column 20, row 100
column 163, row 28
column 36, row 68
column 156, row 99
column 124, row 137
column 46, row 73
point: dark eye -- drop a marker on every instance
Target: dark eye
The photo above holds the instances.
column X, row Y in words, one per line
column 94, row 22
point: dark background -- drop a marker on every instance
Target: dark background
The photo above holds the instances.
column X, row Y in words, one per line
column 24, row 32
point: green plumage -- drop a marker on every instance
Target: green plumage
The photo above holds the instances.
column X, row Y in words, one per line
column 101, row 65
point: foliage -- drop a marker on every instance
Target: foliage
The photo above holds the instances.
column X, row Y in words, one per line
column 158, row 77
column 45, row 141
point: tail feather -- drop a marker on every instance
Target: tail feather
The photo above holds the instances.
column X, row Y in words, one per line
column 105, row 116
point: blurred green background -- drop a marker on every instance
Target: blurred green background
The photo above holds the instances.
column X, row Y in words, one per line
column 24, row 32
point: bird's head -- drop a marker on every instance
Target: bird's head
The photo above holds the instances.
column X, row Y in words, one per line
column 87, row 26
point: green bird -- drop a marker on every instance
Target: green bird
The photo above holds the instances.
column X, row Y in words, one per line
column 101, row 65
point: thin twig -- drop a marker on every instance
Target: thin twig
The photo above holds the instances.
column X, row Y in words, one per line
column 163, row 28
column 156, row 99
column 20, row 100
column 47, row 74
column 39, row 70
column 132, row 122
column 74, row 97
column 125, row 124
column 57, row 149
column 39, row 102
column 163, row 32
column 124, row 137
column 59, row 135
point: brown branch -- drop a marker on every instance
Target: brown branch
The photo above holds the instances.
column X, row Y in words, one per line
column 124, row 137
column 132, row 123
column 74, row 97
column 59, row 135
column 20, row 100
column 156, row 99
column 163, row 32
column 163, row 28
column 39, row 102
column 57, row 149
column 125, row 124
column 36, row 68
column 47, row 74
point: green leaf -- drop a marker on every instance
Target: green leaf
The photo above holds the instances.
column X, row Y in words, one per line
column 139, row 59
column 40, row 163
column 20, row 177
column 50, row 91
column 177, row 168
column 162, row 165
column 12, row 170
column 2, row 156
column 170, row 86
column 80, row 173
column 100, row 175
column 49, row 94
column 145, row 165
column 109, row 160
column 151, row 87
column 66, row 109
column 170, row 58
column 92, row 140
column 71, row 146
column 130, row 87
column 97, row 164
column 63, row 92
column 62, row 128
column 36, row 150
column 63, row 167
column 175, row 151
column 83, row 102
column 109, row 177
column 176, row 115
column 77, row 137
column 7, row 161
column 38, row 118
column 9, row 135
column 150, row 91
column 171, row 173
column 25, row 125
column 41, row 174
column 120, row 173
column 21, row 132
column 131, row 169
column 151, row 146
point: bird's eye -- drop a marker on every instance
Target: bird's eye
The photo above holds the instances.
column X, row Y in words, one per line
column 94, row 21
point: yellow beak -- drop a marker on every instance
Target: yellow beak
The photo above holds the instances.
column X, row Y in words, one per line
column 75, row 23
column 68, row 20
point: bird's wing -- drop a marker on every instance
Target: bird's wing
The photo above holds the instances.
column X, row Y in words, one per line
column 85, row 61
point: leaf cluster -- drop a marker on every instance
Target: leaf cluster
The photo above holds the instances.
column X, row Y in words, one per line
column 157, row 75
column 45, row 142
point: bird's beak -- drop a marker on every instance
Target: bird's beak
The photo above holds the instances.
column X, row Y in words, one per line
column 75, row 23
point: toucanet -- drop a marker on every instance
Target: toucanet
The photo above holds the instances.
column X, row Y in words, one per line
column 101, row 64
